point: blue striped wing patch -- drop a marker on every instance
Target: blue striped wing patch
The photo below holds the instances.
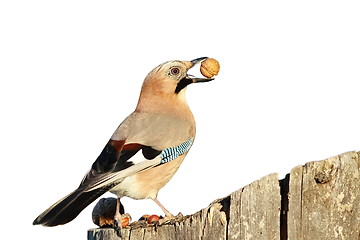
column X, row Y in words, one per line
column 171, row 153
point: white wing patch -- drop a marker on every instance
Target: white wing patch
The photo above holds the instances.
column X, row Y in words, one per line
column 138, row 158
column 141, row 165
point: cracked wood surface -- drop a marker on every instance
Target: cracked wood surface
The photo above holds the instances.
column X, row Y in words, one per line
column 324, row 199
column 320, row 200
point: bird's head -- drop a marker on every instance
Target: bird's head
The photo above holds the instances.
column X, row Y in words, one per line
column 171, row 78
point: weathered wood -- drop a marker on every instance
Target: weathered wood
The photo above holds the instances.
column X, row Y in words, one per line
column 244, row 214
column 320, row 200
column 255, row 210
column 324, row 199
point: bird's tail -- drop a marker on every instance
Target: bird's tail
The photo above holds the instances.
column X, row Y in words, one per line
column 69, row 207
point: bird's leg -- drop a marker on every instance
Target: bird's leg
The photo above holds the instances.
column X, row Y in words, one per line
column 168, row 215
column 118, row 218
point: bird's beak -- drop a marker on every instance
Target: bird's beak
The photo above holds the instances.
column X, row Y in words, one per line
column 198, row 60
column 197, row 79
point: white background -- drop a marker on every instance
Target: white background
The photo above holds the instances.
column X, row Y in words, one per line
column 71, row 71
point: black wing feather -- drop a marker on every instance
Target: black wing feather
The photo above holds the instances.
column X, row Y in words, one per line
column 113, row 158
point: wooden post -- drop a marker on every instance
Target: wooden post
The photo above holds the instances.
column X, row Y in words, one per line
column 324, row 199
column 320, row 200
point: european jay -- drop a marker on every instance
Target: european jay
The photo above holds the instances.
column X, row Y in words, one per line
column 146, row 149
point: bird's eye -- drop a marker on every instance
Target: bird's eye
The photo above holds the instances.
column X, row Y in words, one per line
column 174, row 71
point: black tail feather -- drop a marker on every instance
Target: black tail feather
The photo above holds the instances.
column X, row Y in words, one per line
column 68, row 208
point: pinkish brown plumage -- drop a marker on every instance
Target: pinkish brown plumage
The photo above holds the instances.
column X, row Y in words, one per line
column 145, row 150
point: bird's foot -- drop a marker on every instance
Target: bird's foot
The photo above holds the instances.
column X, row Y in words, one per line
column 169, row 218
column 121, row 221
column 146, row 220
column 117, row 228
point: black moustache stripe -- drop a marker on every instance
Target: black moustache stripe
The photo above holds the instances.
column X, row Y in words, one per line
column 182, row 84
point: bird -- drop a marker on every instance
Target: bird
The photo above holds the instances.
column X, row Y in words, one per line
column 145, row 150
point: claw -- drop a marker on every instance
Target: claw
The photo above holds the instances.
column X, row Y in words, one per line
column 117, row 228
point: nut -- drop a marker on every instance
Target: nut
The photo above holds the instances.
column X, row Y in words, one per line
column 144, row 217
column 153, row 219
column 104, row 211
column 125, row 221
column 210, row 67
